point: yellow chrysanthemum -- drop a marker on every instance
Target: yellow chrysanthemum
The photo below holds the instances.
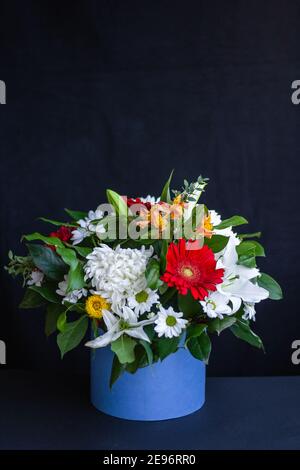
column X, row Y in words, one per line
column 95, row 304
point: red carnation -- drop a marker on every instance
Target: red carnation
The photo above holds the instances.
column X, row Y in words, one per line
column 63, row 233
column 131, row 201
column 191, row 270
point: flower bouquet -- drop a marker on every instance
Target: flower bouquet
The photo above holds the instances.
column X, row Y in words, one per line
column 154, row 279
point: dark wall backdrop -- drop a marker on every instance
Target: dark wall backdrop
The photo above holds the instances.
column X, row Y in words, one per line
column 115, row 94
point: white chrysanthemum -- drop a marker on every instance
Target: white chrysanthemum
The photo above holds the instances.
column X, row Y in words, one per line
column 36, row 278
column 71, row 297
column 117, row 274
column 87, row 228
column 151, row 199
column 169, row 323
column 143, row 301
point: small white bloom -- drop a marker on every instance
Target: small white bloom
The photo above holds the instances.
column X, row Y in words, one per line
column 78, row 235
column 150, row 199
column 215, row 305
column 249, row 311
column 36, row 278
column 117, row 274
column 215, row 218
column 117, row 327
column 150, row 315
column 143, row 301
column 87, row 228
column 71, row 297
column 169, row 323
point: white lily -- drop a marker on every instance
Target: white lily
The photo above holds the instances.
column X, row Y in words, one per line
column 117, row 327
column 215, row 305
column 237, row 278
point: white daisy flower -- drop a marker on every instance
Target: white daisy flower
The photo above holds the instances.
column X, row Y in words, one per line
column 143, row 301
column 117, row 274
column 169, row 323
column 36, row 278
column 71, row 297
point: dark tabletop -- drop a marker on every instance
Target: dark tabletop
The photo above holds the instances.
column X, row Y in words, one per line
column 40, row 411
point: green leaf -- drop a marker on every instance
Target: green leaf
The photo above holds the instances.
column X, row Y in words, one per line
column 249, row 235
column 195, row 330
column 163, row 254
column 268, row 283
column 31, row 299
column 83, row 251
column 47, row 291
column 76, row 215
column 246, row 252
column 140, row 360
column 52, row 314
column 248, row 261
column 153, row 274
column 76, row 273
column 69, row 256
column 188, row 305
column 216, row 243
column 242, row 330
column 61, row 321
column 167, row 346
column 217, row 325
column 123, row 347
column 250, row 246
column 233, row 221
column 165, row 195
column 167, row 296
column 148, row 350
column 150, row 332
column 76, row 278
column 200, row 347
column 73, row 333
column 48, row 262
column 38, row 236
column 116, row 371
column 56, row 222
column 117, row 202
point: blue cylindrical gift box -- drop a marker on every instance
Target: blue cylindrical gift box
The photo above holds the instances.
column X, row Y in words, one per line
column 168, row 389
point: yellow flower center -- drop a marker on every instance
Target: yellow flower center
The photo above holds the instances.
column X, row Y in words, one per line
column 187, row 272
column 142, row 297
column 170, row 320
column 95, row 304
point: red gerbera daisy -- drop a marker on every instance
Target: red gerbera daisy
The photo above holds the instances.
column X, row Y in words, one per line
column 191, row 270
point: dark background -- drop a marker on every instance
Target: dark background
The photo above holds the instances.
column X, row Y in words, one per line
column 115, row 94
